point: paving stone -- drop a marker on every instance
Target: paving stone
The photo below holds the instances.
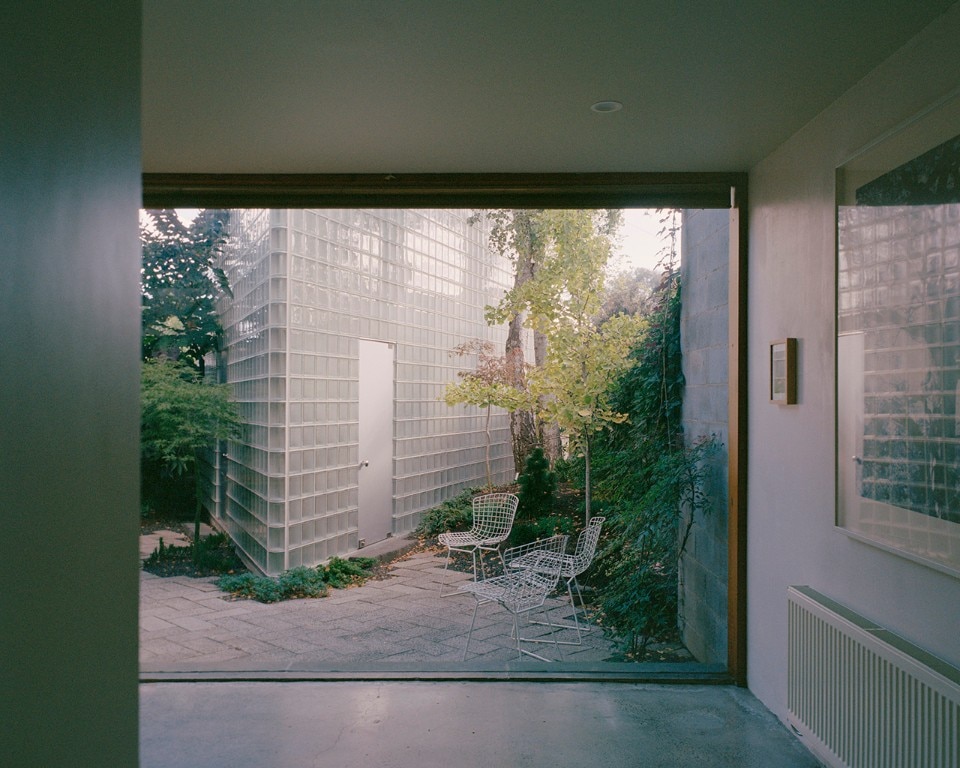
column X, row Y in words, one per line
column 192, row 624
column 401, row 619
column 153, row 624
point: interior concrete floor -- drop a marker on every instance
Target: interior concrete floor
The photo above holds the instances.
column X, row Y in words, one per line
column 400, row 724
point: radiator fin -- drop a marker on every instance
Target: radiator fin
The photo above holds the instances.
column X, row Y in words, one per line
column 862, row 697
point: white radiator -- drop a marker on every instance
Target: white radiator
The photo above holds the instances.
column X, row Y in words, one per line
column 861, row 697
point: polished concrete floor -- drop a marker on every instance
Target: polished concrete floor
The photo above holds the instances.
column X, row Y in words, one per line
column 458, row 724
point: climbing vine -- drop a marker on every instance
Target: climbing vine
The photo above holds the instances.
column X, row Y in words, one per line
column 649, row 485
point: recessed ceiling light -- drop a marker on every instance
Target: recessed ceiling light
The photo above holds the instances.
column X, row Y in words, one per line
column 607, row 106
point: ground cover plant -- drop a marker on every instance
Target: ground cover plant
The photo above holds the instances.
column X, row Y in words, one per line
column 215, row 556
column 300, row 582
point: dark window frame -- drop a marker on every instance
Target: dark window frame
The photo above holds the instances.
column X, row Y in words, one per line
column 540, row 190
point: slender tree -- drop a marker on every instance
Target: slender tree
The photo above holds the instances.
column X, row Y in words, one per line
column 518, row 235
column 558, row 258
column 491, row 384
column 180, row 281
column 583, row 364
column 181, row 416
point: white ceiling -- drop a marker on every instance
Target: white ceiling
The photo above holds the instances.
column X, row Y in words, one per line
column 458, row 86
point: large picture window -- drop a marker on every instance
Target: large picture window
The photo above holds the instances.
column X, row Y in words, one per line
column 898, row 341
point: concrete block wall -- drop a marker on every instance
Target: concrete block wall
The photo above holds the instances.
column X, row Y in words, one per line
column 704, row 324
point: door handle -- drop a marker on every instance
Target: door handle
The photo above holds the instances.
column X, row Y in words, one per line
column 364, row 463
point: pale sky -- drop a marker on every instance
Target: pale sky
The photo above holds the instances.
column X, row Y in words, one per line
column 640, row 244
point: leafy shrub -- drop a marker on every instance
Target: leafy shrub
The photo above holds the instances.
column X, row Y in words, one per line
column 302, row 582
column 341, row 573
column 214, row 555
column 569, row 470
column 241, row 584
column 639, row 564
column 455, row 514
column 299, row 582
column 538, row 486
column 525, row 531
column 652, row 486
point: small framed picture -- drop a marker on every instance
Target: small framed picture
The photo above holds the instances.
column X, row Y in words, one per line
column 783, row 372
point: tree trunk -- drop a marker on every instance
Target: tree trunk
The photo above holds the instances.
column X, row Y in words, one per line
column 486, row 429
column 548, row 433
column 524, row 432
column 523, row 428
column 586, row 478
column 198, row 508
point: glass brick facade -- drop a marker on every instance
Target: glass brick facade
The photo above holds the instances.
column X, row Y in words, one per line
column 308, row 285
column 899, row 287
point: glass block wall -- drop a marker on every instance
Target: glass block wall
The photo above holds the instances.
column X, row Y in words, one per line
column 899, row 286
column 307, row 286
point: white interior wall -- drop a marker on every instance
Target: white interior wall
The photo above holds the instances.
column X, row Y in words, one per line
column 792, row 539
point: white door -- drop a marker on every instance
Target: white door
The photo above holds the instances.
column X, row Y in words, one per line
column 375, row 475
column 849, row 424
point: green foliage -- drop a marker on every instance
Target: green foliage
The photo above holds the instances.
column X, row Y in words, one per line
column 454, row 514
column 650, row 483
column 569, row 469
column 300, row 582
column 180, row 281
column 490, row 384
column 525, row 531
column 646, row 539
column 494, row 383
column 559, row 258
column 583, row 363
column 569, row 248
column 341, row 573
column 249, row 585
column 181, row 414
column 538, row 486
column 562, row 296
column 628, row 293
column 215, row 555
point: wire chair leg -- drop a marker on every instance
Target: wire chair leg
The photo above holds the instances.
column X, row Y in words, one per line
column 516, row 633
column 583, row 606
column 573, row 605
column 576, row 625
column 556, row 643
column 446, row 567
column 470, row 633
column 549, row 623
column 443, row 582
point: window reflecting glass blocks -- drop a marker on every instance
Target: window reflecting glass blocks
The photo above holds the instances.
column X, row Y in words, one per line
column 307, row 286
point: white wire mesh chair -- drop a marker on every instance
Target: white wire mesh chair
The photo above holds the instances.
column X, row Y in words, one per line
column 521, row 590
column 571, row 567
column 493, row 515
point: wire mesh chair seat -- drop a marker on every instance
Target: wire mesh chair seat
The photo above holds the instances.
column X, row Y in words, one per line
column 571, row 567
column 520, row 591
column 493, row 515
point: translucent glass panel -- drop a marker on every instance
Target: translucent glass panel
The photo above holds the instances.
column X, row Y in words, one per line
column 307, row 285
column 898, row 348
